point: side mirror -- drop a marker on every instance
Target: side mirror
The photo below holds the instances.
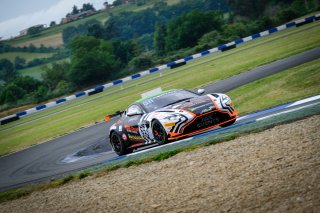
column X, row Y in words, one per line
column 200, row 91
column 108, row 117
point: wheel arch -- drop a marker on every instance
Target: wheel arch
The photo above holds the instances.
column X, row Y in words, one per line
column 110, row 133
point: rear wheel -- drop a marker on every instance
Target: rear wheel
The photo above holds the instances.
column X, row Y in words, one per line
column 159, row 133
column 119, row 145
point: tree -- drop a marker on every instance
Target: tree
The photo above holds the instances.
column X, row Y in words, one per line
column 40, row 94
column 7, row 71
column 32, row 48
column 211, row 39
column 86, row 7
column 124, row 51
column 52, row 24
column 96, row 30
column 34, row 31
column 185, row 30
column 43, row 49
column 11, row 94
column 2, row 46
column 92, row 62
column 248, row 8
column 160, row 39
column 137, row 48
column 111, row 29
column 68, row 34
column 27, row 83
column 117, row 3
column 55, row 73
column 71, row 32
column 141, row 62
column 75, row 10
column 19, row 63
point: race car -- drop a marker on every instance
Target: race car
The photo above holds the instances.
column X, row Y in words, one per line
column 169, row 116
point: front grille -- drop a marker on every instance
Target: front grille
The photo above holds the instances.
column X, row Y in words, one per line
column 205, row 121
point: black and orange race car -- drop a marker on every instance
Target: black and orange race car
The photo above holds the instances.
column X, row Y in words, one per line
column 169, row 116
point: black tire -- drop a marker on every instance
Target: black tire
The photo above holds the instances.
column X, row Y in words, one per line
column 119, row 145
column 159, row 133
column 229, row 123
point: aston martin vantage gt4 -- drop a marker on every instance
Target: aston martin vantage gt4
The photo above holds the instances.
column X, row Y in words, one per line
column 169, row 116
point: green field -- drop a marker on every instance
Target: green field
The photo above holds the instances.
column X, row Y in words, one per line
column 194, row 74
column 34, row 72
column 28, row 56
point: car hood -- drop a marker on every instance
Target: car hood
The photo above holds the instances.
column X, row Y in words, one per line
column 197, row 105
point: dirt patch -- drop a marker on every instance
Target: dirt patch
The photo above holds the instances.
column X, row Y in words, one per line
column 275, row 170
column 48, row 41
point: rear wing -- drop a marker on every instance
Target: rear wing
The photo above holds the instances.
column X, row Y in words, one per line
column 117, row 113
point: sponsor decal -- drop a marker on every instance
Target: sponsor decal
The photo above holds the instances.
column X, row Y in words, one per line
column 148, row 102
column 136, row 138
column 207, row 120
column 132, row 129
column 169, row 124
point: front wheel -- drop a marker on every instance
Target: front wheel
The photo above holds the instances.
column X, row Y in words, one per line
column 159, row 133
column 119, row 145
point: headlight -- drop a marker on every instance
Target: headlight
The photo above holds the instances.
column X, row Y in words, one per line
column 226, row 99
column 174, row 118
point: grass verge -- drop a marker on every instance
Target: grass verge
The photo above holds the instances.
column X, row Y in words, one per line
column 290, row 85
column 162, row 154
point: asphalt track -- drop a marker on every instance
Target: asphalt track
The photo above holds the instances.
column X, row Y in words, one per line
column 70, row 152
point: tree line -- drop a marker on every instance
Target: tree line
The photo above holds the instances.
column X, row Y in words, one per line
column 4, row 47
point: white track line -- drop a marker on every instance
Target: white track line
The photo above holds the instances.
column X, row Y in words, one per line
column 284, row 112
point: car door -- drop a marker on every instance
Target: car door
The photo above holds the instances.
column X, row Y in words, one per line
column 131, row 123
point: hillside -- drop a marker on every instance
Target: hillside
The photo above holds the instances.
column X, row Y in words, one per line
column 52, row 36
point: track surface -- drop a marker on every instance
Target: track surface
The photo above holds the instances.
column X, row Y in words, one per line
column 56, row 157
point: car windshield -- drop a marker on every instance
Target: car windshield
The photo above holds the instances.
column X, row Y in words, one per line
column 166, row 99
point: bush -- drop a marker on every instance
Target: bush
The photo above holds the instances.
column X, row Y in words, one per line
column 11, row 94
column 141, row 62
column 55, row 73
column 62, row 88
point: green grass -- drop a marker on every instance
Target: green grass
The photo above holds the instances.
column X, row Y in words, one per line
column 189, row 76
column 28, row 56
column 290, row 85
column 34, row 72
